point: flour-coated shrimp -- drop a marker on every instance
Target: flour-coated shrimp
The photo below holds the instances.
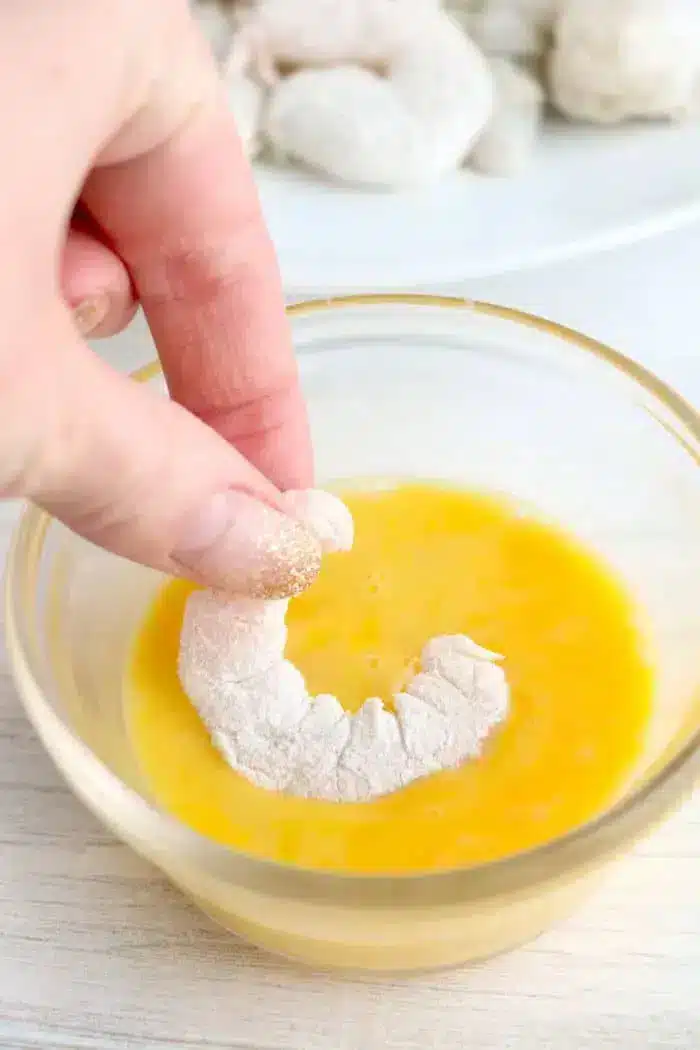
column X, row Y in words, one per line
column 382, row 92
column 616, row 61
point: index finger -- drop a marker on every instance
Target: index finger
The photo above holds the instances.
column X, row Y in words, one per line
column 185, row 218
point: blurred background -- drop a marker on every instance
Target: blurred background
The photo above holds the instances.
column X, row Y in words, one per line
column 422, row 143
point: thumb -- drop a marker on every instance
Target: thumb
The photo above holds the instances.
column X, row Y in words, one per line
column 132, row 471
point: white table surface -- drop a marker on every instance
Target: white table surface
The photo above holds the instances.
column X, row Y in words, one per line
column 96, row 951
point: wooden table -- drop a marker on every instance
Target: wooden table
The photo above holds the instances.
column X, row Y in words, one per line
column 97, row 951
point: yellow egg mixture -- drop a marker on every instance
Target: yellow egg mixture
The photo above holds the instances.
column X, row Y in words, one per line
column 427, row 560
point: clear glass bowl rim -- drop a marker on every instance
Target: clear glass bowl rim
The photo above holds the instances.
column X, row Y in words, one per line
column 583, row 848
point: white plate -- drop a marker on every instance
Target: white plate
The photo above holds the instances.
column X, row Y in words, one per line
column 588, row 189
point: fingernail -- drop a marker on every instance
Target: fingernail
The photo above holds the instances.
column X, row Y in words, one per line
column 238, row 544
column 90, row 313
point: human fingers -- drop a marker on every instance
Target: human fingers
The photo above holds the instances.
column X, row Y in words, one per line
column 184, row 215
column 131, row 471
column 134, row 472
column 96, row 285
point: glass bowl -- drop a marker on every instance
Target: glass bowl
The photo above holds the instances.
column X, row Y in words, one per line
column 406, row 386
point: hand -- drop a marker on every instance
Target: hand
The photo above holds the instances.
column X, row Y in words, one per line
column 124, row 180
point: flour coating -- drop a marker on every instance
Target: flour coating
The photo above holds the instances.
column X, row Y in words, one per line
column 261, row 718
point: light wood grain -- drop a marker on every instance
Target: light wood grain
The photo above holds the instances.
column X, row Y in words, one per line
column 97, row 951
